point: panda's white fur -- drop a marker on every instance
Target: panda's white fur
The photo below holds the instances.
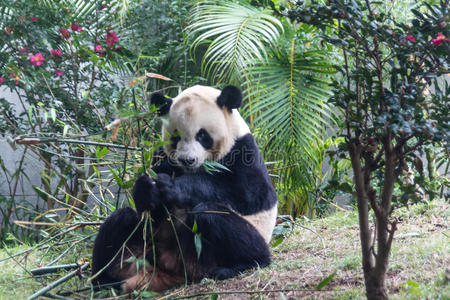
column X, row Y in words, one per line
column 264, row 222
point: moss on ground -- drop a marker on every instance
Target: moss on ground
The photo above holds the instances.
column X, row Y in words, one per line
column 311, row 252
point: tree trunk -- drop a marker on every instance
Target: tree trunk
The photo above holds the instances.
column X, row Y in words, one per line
column 375, row 288
column 374, row 266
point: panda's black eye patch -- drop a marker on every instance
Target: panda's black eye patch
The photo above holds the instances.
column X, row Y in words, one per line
column 204, row 139
column 174, row 139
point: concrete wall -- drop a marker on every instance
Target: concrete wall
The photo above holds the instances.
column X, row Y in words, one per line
column 11, row 159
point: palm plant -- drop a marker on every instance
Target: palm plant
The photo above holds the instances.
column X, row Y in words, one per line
column 240, row 35
column 284, row 78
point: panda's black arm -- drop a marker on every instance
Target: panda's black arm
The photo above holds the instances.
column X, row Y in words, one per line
column 244, row 195
column 246, row 187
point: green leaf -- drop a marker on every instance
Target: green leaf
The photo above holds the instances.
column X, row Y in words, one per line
column 325, row 281
column 102, row 152
column 198, row 244
column 214, row 296
column 130, row 259
column 194, row 227
column 214, row 166
column 141, row 262
column 53, row 114
column 412, row 283
column 148, row 294
column 116, row 176
column 277, row 241
column 41, row 193
column 30, row 113
column 65, row 129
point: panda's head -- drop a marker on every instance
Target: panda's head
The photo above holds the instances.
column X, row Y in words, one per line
column 203, row 124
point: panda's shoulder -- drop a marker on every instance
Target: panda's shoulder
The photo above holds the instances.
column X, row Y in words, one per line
column 245, row 141
column 244, row 156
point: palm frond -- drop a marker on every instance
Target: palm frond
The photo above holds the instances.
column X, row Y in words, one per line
column 287, row 101
column 237, row 35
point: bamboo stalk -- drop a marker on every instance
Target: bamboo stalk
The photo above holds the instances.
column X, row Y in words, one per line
column 52, row 269
column 43, row 140
column 54, row 284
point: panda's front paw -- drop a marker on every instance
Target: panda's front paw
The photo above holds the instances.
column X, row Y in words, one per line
column 223, row 273
column 145, row 194
column 168, row 189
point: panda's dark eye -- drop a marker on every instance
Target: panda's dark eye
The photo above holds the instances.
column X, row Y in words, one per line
column 174, row 139
column 204, row 139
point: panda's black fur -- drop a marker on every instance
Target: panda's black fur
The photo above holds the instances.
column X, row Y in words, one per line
column 216, row 202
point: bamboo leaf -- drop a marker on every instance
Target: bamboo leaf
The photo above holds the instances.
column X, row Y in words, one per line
column 325, row 281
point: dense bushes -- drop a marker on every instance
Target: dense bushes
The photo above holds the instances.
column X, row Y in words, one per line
column 72, row 65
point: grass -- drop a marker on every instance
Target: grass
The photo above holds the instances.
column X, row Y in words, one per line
column 313, row 250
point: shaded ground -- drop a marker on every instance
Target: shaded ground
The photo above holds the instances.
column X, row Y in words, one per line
column 314, row 250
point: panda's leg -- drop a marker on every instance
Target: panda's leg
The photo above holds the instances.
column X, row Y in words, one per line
column 152, row 279
column 230, row 244
column 169, row 237
column 121, row 226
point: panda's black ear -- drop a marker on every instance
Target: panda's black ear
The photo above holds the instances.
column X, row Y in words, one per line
column 231, row 97
column 161, row 103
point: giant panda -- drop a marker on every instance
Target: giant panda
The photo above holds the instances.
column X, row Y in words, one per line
column 232, row 212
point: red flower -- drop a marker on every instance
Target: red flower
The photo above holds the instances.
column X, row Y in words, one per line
column 34, row 19
column 411, row 38
column 111, row 38
column 440, row 39
column 59, row 73
column 22, row 50
column 75, row 27
column 16, row 77
column 56, row 52
column 99, row 48
column 2, row 80
column 65, row 33
column 37, row 59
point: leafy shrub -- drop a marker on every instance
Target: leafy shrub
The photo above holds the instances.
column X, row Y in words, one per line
column 72, row 65
column 389, row 112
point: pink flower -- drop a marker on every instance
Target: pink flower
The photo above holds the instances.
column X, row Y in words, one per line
column 34, row 19
column 411, row 38
column 65, row 33
column 99, row 48
column 440, row 39
column 75, row 27
column 56, row 52
column 111, row 38
column 59, row 73
column 89, row 21
column 22, row 50
column 2, row 80
column 37, row 59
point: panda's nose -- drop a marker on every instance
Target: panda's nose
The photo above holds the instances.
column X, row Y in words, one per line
column 187, row 161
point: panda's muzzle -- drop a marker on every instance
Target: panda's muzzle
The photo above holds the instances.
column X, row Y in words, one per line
column 187, row 161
